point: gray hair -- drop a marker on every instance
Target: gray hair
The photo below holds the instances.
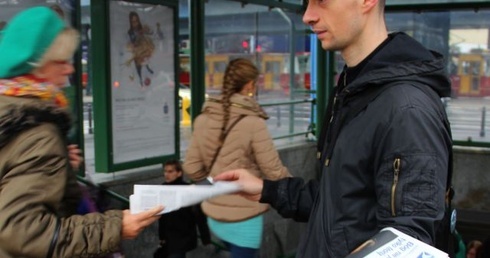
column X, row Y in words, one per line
column 62, row 48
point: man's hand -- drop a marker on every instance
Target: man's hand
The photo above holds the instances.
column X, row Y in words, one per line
column 133, row 224
column 75, row 156
column 250, row 184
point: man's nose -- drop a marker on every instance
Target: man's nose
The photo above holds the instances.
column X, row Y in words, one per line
column 309, row 17
column 70, row 69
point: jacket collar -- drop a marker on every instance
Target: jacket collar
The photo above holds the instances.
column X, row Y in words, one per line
column 403, row 59
column 240, row 104
column 177, row 181
column 18, row 114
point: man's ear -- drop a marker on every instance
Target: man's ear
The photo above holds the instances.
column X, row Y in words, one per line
column 368, row 5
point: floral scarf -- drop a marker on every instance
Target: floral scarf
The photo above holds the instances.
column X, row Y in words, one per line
column 32, row 87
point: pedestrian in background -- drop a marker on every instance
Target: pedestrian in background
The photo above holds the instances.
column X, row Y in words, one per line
column 483, row 251
column 472, row 248
column 231, row 133
column 39, row 194
column 177, row 230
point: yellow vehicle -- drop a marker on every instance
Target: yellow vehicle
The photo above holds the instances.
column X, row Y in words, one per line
column 215, row 70
column 473, row 76
column 274, row 69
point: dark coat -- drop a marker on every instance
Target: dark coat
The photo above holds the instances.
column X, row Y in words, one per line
column 389, row 164
column 178, row 228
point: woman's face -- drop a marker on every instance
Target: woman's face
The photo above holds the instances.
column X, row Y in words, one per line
column 135, row 22
column 56, row 72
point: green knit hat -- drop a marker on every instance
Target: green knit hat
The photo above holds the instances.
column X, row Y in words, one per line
column 26, row 38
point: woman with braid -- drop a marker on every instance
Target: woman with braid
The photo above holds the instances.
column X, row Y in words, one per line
column 231, row 133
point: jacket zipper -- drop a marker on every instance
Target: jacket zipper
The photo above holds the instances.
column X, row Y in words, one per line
column 327, row 160
column 396, row 169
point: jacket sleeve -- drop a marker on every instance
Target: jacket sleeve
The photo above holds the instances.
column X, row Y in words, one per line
column 410, row 180
column 265, row 153
column 193, row 164
column 291, row 197
column 33, row 187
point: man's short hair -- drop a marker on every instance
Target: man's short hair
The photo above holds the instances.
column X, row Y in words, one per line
column 304, row 6
column 176, row 163
column 381, row 3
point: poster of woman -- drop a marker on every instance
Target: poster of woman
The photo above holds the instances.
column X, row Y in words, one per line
column 141, row 46
column 142, row 80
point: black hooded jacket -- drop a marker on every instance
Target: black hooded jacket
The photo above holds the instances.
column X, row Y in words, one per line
column 385, row 167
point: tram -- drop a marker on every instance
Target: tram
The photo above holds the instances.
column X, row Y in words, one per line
column 473, row 75
column 274, row 69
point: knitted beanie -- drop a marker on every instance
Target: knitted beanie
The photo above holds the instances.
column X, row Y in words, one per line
column 26, row 38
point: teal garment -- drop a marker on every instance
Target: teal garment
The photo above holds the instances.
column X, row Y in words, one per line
column 247, row 233
column 461, row 246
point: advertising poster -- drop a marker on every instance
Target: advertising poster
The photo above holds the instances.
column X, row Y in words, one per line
column 142, row 80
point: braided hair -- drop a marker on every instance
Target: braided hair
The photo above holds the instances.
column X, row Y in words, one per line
column 239, row 72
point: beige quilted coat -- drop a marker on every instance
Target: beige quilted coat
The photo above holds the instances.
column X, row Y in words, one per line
column 248, row 145
column 39, row 192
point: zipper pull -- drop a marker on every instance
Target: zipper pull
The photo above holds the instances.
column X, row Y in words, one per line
column 396, row 174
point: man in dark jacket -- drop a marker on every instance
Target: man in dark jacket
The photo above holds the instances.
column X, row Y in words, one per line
column 177, row 229
column 383, row 166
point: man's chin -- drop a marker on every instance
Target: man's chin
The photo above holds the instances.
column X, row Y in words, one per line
column 329, row 46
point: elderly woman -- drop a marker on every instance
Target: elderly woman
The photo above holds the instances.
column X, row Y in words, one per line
column 38, row 190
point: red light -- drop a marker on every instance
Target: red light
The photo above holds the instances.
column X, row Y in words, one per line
column 245, row 44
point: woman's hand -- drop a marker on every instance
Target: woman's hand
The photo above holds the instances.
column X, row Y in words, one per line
column 75, row 156
column 133, row 224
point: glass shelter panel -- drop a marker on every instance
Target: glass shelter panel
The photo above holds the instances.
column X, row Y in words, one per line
column 463, row 37
column 277, row 42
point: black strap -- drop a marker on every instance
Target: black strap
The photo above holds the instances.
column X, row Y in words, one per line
column 221, row 145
